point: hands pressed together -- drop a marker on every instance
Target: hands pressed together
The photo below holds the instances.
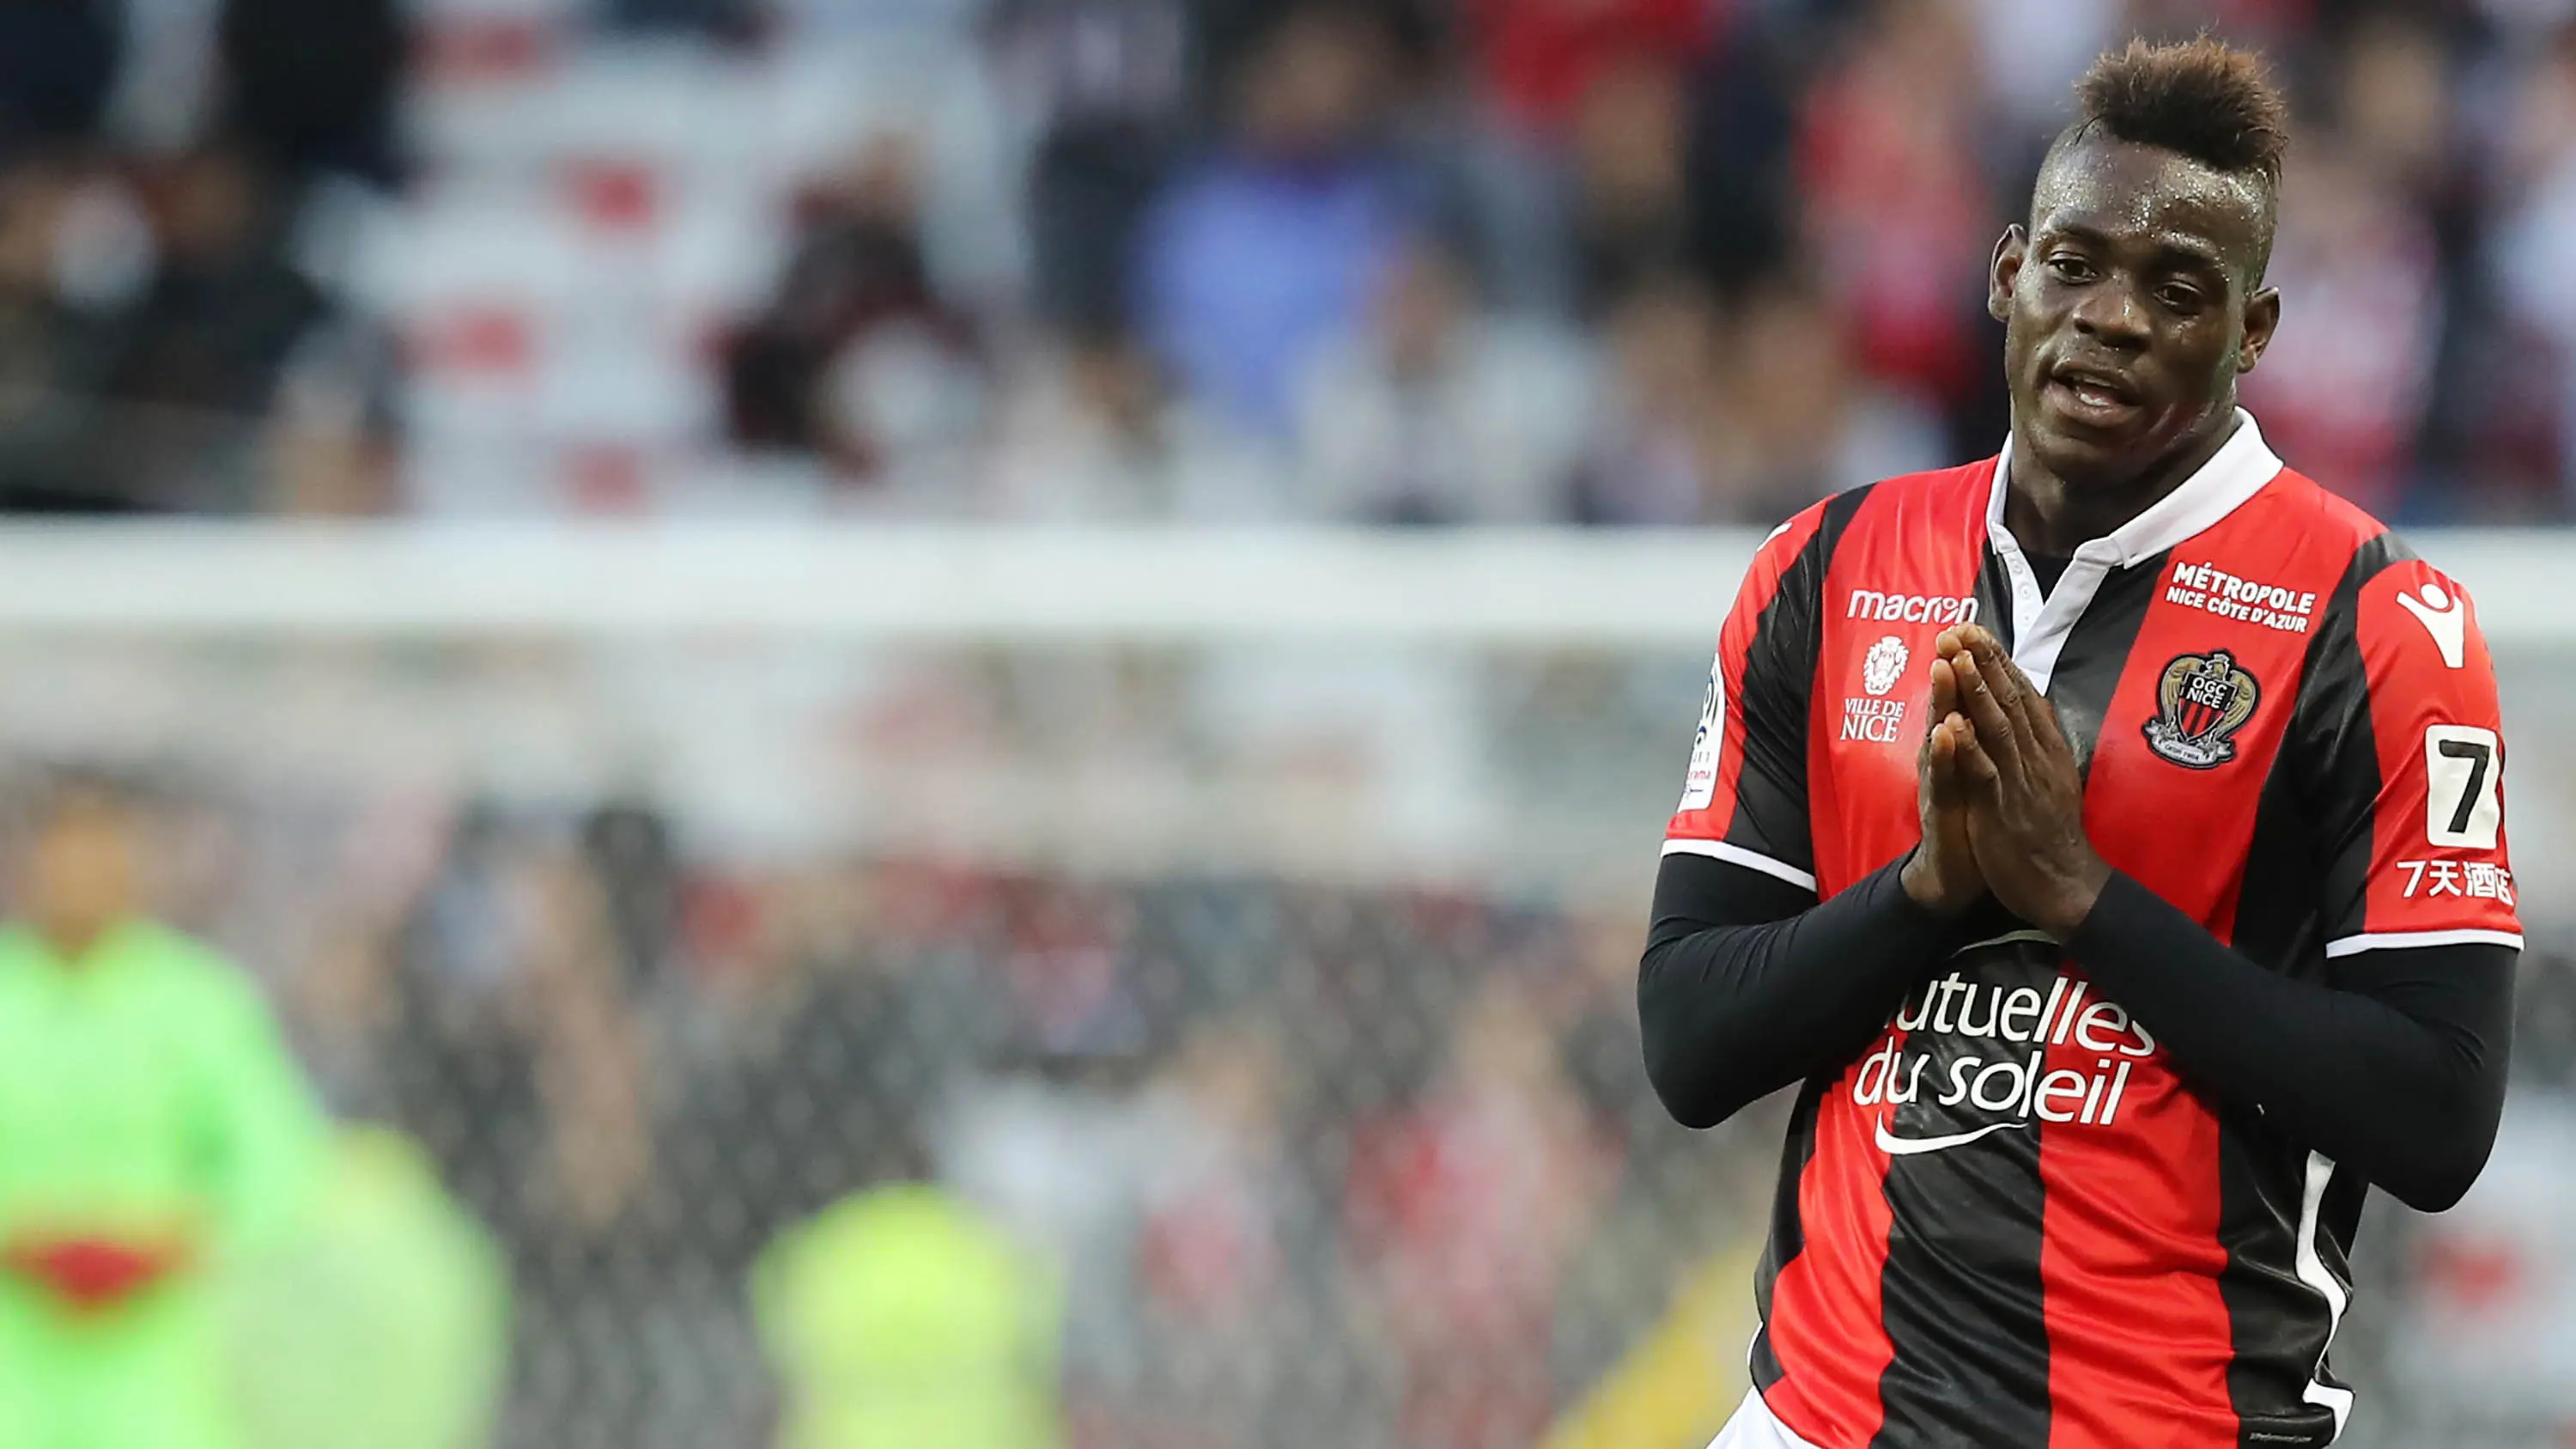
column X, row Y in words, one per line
column 2001, row 795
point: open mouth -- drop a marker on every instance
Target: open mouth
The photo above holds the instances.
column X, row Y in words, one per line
column 2092, row 395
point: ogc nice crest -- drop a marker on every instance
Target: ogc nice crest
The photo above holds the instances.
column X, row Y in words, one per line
column 2202, row 699
column 1884, row 666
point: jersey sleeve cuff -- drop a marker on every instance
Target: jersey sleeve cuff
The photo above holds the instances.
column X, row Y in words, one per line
column 1738, row 855
column 2403, row 940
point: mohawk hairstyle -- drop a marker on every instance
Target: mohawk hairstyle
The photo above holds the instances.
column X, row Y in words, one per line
column 2199, row 98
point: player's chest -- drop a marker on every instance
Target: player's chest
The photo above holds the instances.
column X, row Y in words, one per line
column 2173, row 680
column 88, row 1080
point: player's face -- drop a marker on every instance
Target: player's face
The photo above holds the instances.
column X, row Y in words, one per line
column 2129, row 308
column 81, row 870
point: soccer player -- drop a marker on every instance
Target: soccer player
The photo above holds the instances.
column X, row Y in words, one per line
column 152, row 1126
column 2107, row 836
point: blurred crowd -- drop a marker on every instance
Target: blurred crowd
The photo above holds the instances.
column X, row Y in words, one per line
column 1616, row 261
column 162, row 334
column 1303, row 1164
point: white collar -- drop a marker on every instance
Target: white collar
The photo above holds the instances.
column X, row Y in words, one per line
column 2235, row 473
column 2042, row 623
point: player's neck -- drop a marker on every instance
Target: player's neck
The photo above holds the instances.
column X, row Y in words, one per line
column 72, row 938
column 2047, row 515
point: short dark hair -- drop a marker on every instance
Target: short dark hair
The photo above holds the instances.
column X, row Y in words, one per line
column 48, row 791
column 2201, row 98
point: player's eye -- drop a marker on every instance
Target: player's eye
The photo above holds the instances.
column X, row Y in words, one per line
column 2068, row 268
column 2179, row 297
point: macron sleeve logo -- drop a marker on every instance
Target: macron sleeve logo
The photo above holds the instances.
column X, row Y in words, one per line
column 2444, row 615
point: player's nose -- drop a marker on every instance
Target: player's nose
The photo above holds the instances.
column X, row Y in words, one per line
column 2112, row 314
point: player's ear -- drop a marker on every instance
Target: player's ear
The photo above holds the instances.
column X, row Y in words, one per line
column 2262, row 319
column 2010, row 249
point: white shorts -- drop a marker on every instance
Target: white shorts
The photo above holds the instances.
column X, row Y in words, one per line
column 1753, row 1427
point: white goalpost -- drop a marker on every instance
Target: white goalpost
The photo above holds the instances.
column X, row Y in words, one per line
column 960, row 583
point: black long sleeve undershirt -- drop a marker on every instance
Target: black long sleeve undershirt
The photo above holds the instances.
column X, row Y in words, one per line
column 2396, row 1070
column 1748, row 984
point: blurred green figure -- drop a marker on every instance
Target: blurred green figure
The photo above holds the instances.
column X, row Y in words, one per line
column 153, row 1128
column 382, row 1322
column 900, row 1319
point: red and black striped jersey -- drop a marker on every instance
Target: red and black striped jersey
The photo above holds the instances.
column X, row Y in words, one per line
column 2010, row 1220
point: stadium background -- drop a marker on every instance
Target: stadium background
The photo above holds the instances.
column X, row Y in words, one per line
column 1101, row 599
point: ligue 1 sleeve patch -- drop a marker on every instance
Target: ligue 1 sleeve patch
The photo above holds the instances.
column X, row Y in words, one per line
column 1700, row 786
column 2201, row 701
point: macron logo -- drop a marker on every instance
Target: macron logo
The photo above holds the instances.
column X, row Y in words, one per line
column 1911, row 608
column 2444, row 615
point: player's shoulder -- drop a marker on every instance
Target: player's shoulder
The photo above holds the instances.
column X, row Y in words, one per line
column 1906, row 501
column 192, row 973
column 2374, row 558
column 1964, row 482
column 22, row 955
column 1913, row 509
column 2408, row 622
column 2294, row 505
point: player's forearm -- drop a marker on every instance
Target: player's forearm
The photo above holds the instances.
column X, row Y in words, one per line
column 2398, row 1073
column 1746, row 987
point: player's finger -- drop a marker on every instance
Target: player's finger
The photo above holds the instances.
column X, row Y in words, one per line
column 2017, row 685
column 1996, row 729
column 1941, row 765
column 1983, row 642
column 1974, row 763
column 2037, row 713
column 2043, row 721
column 2022, row 700
column 1978, row 699
column 1945, row 697
column 2002, row 675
